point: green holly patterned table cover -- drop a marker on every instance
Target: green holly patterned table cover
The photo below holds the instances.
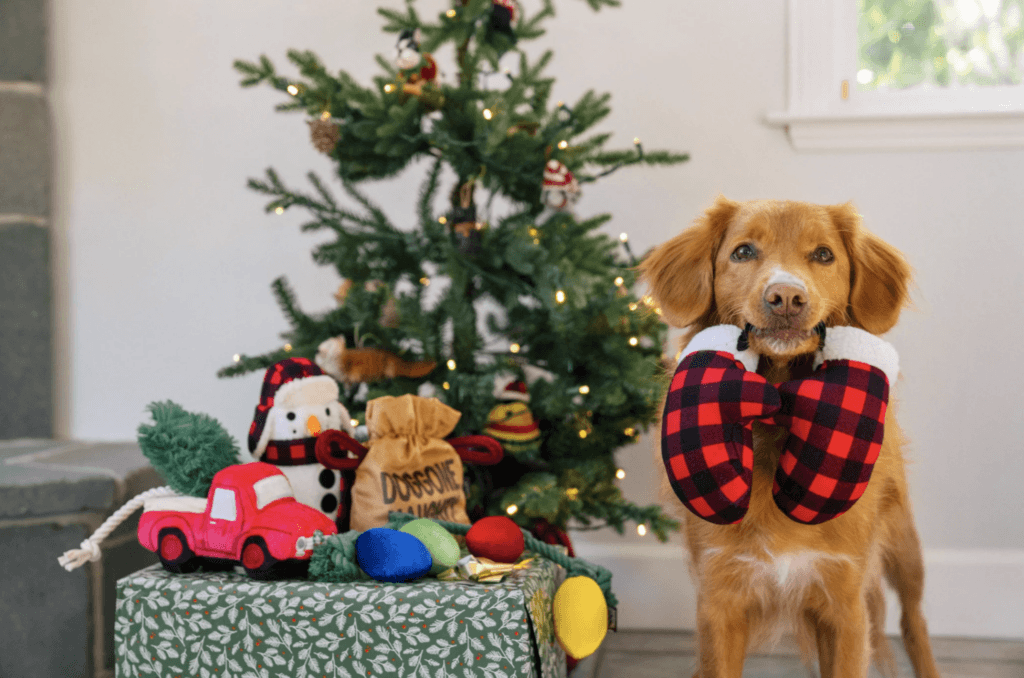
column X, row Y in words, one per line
column 222, row 624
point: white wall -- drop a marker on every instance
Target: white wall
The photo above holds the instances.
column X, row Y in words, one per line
column 165, row 259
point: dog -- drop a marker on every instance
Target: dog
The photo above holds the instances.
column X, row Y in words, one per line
column 780, row 269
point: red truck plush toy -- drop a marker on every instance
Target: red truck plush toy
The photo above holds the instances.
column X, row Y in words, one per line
column 250, row 515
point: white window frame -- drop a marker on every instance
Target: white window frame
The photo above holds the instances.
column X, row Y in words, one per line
column 822, row 55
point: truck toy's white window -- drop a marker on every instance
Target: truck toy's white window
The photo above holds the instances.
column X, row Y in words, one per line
column 271, row 489
column 223, row 505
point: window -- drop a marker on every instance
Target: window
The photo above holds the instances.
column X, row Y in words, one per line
column 885, row 74
column 939, row 44
column 223, row 507
column 270, row 489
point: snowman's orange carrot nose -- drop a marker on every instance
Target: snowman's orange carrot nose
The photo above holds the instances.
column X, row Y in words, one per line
column 313, row 424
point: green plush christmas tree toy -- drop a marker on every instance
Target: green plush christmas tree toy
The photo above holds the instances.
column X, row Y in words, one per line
column 497, row 280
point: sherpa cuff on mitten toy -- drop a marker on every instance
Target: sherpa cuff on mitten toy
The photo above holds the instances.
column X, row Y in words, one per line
column 836, row 419
column 707, row 440
column 724, row 338
column 852, row 343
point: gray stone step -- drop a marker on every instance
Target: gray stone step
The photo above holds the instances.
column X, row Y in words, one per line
column 52, row 496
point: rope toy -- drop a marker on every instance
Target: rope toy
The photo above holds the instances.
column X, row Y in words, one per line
column 335, row 559
column 89, row 551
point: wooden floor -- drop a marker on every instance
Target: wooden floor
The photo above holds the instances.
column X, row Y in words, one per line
column 655, row 654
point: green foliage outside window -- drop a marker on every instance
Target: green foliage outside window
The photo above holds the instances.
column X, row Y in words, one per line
column 939, row 43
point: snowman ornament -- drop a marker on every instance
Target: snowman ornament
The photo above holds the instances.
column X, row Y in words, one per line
column 297, row 403
column 560, row 190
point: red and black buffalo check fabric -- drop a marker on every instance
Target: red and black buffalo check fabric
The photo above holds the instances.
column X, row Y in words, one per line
column 836, row 420
column 290, row 452
column 706, row 441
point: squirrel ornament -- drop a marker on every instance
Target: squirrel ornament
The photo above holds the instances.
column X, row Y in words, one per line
column 355, row 365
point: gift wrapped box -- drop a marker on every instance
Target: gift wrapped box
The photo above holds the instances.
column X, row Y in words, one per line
column 221, row 624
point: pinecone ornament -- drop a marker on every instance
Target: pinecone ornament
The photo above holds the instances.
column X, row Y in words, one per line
column 324, row 134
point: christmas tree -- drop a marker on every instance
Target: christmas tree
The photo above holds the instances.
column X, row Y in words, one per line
column 472, row 308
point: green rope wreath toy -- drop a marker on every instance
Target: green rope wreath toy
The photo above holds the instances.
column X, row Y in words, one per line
column 335, row 559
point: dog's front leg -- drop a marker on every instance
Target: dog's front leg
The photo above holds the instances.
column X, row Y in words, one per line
column 844, row 648
column 722, row 631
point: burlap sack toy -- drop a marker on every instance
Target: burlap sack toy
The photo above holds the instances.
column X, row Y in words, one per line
column 409, row 467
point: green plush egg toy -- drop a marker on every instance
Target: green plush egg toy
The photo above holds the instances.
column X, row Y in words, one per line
column 441, row 544
column 580, row 615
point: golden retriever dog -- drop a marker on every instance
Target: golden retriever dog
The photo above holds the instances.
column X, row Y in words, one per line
column 783, row 268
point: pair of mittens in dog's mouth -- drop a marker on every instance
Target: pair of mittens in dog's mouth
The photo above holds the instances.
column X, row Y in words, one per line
column 835, row 420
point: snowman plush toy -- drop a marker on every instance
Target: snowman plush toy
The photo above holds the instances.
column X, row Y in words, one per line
column 299, row 408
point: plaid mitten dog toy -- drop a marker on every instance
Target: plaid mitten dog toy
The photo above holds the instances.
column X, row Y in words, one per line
column 836, row 419
column 707, row 440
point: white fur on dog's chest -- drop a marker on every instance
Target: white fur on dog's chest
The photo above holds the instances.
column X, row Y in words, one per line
column 786, row 573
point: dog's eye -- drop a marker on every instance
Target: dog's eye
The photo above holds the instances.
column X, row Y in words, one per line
column 744, row 253
column 290, row 415
column 824, row 255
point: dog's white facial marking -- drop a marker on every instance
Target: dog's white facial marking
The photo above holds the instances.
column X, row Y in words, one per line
column 784, row 277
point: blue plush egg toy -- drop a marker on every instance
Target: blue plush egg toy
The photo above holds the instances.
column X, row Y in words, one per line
column 392, row 556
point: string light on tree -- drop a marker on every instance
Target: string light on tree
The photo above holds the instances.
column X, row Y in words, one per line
column 620, row 473
column 636, row 141
column 389, row 88
column 584, row 389
column 633, row 306
column 583, row 433
column 450, row 13
column 633, row 341
column 560, row 296
column 572, row 493
column 288, row 348
column 619, row 281
column 442, row 220
column 278, row 210
column 425, row 281
column 511, row 510
column 514, row 348
column 446, row 386
column 488, row 114
column 451, row 365
column 293, row 90
column 326, row 115
column 641, row 529
column 236, row 358
column 563, row 144
column 630, row 431
column 624, row 237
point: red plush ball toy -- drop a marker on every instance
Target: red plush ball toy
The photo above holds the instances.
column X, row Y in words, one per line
column 497, row 538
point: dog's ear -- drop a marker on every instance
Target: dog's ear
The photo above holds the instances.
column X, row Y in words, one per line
column 681, row 271
column 879, row 275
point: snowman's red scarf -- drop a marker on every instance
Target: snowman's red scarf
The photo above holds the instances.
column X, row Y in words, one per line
column 290, row 452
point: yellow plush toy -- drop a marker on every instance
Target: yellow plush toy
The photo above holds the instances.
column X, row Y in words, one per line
column 580, row 615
